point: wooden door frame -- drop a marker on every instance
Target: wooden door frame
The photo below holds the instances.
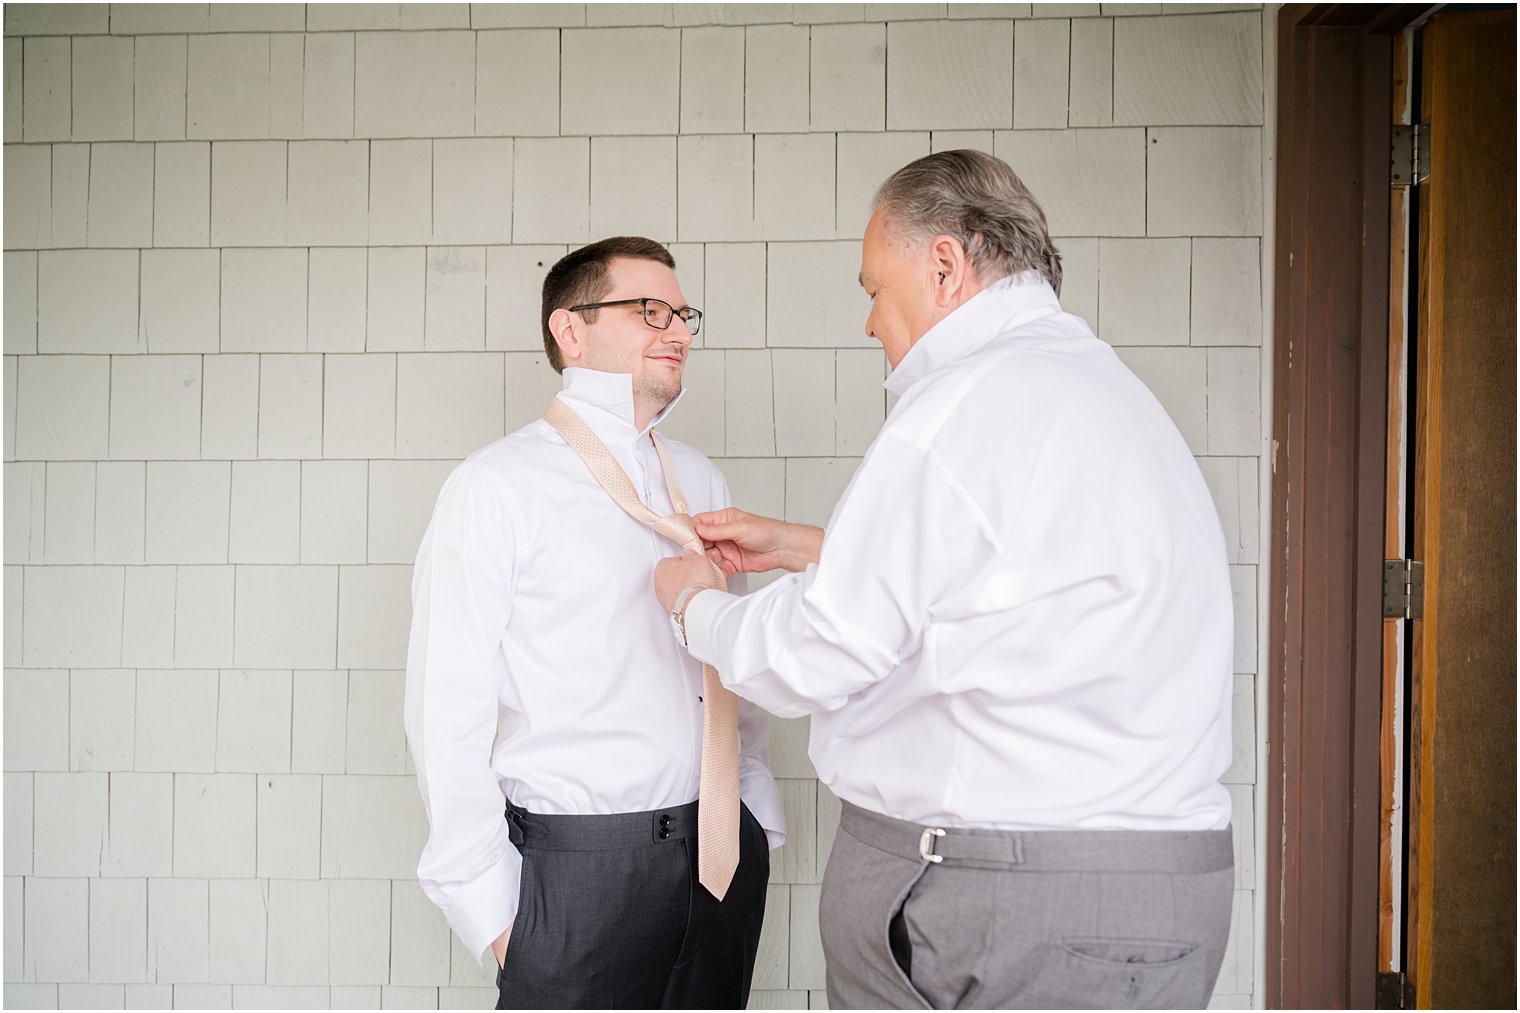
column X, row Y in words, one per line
column 1329, row 466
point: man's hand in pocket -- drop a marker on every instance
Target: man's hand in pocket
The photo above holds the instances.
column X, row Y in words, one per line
column 499, row 948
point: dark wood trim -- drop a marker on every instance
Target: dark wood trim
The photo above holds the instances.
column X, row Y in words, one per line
column 1371, row 513
column 1329, row 418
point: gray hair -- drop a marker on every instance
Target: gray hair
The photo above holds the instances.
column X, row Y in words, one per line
column 977, row 199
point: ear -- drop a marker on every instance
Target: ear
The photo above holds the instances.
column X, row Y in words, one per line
column 563, row 325
column 952, row 274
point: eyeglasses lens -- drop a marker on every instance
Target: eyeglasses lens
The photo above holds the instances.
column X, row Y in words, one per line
column 657, row 313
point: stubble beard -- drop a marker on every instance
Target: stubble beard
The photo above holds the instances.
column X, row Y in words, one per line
column 660, row 389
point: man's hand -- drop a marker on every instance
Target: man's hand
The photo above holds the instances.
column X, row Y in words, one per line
column 677, row 573
column 499, row 947
column 749, row 543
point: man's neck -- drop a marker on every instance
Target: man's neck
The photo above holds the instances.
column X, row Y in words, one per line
column 969, row 290
column 645, row 409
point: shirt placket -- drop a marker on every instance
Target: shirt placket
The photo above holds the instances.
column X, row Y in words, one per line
column 648, row 479
column 642, row 450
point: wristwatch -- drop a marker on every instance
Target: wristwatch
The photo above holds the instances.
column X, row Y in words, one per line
column 678, row 614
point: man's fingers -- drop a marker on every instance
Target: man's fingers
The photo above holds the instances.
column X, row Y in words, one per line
column 719, row 525
column 742, row 533
column 716, row 530
column 728, row 566
column 729, row 557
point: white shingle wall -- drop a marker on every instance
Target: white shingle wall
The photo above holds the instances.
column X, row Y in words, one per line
column 271, row 269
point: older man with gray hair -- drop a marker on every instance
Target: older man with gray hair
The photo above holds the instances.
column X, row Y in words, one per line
column 1014, row 638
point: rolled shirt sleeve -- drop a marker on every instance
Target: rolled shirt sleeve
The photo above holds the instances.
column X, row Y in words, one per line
column 461, row 601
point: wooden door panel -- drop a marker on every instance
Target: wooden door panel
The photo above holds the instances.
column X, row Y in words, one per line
column 1462, row 765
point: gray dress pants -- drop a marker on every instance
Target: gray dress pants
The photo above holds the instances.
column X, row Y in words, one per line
column 1049, row 920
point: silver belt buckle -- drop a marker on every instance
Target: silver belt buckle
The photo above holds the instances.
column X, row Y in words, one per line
column 926, row 844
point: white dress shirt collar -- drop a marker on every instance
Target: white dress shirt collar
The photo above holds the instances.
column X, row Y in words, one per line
column 1004, row 304
column 605, row 401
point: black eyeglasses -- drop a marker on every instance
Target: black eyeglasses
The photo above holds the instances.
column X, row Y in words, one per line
column 657, row 312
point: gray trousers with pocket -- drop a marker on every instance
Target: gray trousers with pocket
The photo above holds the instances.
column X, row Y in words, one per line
column 1047, row 920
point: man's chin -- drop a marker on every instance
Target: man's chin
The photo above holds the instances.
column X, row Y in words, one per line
column 664, row 390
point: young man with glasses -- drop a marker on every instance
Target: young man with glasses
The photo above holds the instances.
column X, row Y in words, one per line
column 541, row 673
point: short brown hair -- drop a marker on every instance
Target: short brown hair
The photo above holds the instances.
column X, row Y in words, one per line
column 584, row 276
column 978, row 199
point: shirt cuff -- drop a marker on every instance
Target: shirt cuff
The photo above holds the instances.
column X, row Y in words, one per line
column 758, row 790
column 482, row 909
column 701, row 617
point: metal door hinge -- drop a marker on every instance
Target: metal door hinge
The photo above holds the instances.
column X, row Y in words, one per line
column 1422, row 151
column 1403, row 589
column 1394, row 991
column 1401, row 165
column 1409, row 154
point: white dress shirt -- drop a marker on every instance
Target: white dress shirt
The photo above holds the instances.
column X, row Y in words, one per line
column 540, row 665
column 1021, row 618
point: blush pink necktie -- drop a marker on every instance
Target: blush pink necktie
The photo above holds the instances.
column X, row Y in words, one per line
column 718, row 790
